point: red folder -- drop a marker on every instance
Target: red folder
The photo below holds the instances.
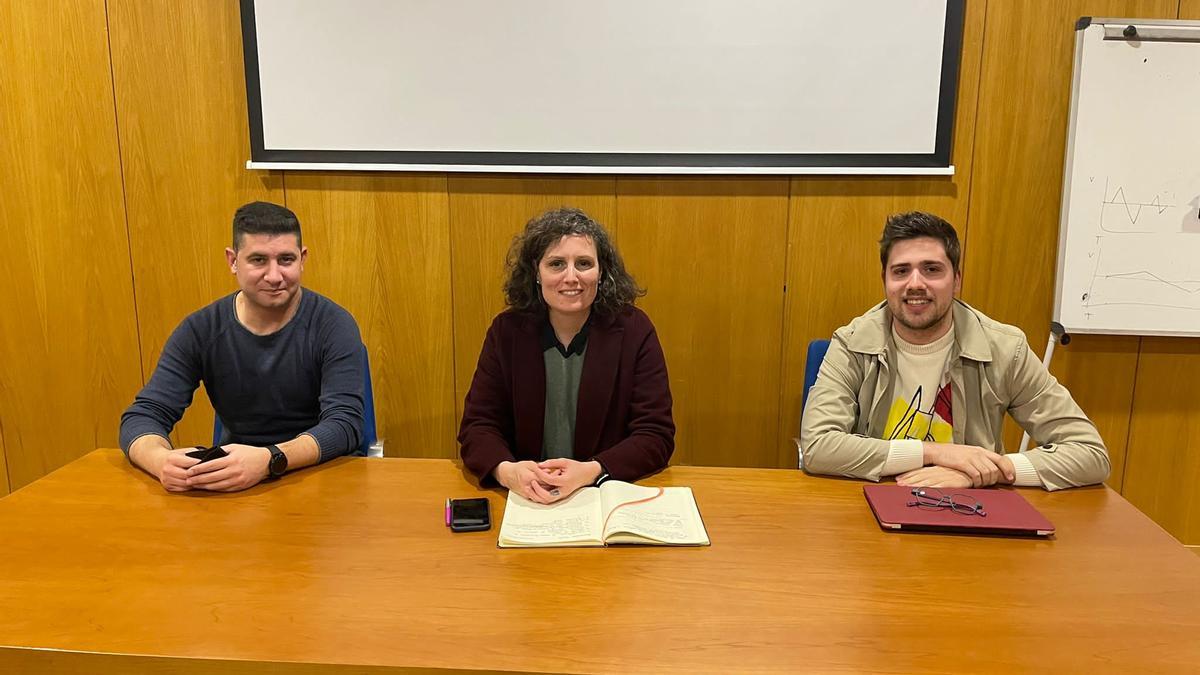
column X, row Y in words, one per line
column 1007, row 512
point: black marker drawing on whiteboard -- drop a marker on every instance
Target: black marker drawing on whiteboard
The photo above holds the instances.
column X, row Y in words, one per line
column 1095, row 271
column 1188, row 286
column 1118, row 215
column 1117, row 287
column 1109, row 287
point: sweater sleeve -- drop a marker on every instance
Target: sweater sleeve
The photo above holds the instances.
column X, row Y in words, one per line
column 339, row 428
column 160, row 404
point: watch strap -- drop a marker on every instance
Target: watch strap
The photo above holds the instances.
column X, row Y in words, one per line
column 278, row 464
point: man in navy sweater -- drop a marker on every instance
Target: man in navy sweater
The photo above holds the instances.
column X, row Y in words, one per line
column 282, row 366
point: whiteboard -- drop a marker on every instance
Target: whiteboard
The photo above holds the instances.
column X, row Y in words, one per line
column 647, row 85
column 1129, row 233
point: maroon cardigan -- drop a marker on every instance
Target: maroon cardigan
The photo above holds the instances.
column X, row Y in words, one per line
column 623, row 418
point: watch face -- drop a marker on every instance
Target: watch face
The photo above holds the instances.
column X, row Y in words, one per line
column 278, row 463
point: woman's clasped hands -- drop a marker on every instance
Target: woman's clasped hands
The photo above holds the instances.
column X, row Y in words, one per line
column 548, row 481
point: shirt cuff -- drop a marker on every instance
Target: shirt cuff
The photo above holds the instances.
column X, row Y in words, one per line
column 1027, row 475
column 904, row 455
column 126, row 446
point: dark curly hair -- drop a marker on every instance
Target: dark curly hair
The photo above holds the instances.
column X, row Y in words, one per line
column 916, row 224
column 616, row 288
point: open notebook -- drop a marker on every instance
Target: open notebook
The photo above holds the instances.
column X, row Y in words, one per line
column 614, row 513
column 1006, row 510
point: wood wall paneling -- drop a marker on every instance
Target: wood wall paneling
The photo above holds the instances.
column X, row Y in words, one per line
column 1019, row 149
column 4, row 489
column 833, row 238
column 1163, row 460
column 181, row 109
column 379, row 245
column 710, row 254
column 486, row 212
column 68, row 341
column 1189, row 9
column 1099, row 371
column 1020, row 143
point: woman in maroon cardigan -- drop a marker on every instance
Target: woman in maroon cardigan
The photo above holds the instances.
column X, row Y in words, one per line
column 571, row 386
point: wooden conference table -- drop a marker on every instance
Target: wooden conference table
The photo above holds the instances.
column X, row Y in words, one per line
column 348, row 567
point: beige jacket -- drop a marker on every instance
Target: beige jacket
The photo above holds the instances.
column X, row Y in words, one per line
column 993, row 371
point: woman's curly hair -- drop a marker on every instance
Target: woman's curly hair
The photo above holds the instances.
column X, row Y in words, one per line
column 616, row 288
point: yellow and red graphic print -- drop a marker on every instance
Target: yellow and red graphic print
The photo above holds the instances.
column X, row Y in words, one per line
column 920, row 420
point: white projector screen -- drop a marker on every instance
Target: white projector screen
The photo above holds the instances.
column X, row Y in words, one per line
column 612, row 86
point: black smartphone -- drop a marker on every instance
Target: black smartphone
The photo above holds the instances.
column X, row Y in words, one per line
column 470, row 515
column 207, row 454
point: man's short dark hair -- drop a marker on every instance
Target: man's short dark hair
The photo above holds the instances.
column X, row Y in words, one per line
column 914, row 225
column 265, row 218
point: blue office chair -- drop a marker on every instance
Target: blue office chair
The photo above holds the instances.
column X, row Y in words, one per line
column 812, row 366
column 365, row 449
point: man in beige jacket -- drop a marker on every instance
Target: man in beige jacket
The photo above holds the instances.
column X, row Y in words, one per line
column 918, row 386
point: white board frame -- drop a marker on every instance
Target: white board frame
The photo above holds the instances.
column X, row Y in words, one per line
column 1148, row 30
column 936, row 162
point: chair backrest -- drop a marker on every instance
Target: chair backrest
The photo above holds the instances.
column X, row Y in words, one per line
column 369, row 435
column 812, row 366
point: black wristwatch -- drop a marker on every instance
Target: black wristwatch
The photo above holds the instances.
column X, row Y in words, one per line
column 601, row 478
column 278, row 465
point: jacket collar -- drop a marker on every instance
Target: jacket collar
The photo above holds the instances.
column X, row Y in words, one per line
column 871, row 333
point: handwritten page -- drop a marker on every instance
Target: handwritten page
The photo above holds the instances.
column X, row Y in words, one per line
column 636, row 515
column 575, row 521
column 671, row 518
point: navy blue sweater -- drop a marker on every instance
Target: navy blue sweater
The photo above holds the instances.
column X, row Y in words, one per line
column 306, row 377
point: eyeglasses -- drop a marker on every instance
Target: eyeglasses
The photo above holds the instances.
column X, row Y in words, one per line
column 932, row 498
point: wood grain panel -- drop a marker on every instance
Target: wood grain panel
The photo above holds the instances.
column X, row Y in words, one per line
column 710, row 253
column 1189, row 9
column 1020, row 144
column 486, row 212
column 1162, row 469
column 4, row 489
column 181, row 107
column 835, row 224
column 1099, row 371
column 379, row 245
column 37, row 662
column 68, row 340
column 1019, row 149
